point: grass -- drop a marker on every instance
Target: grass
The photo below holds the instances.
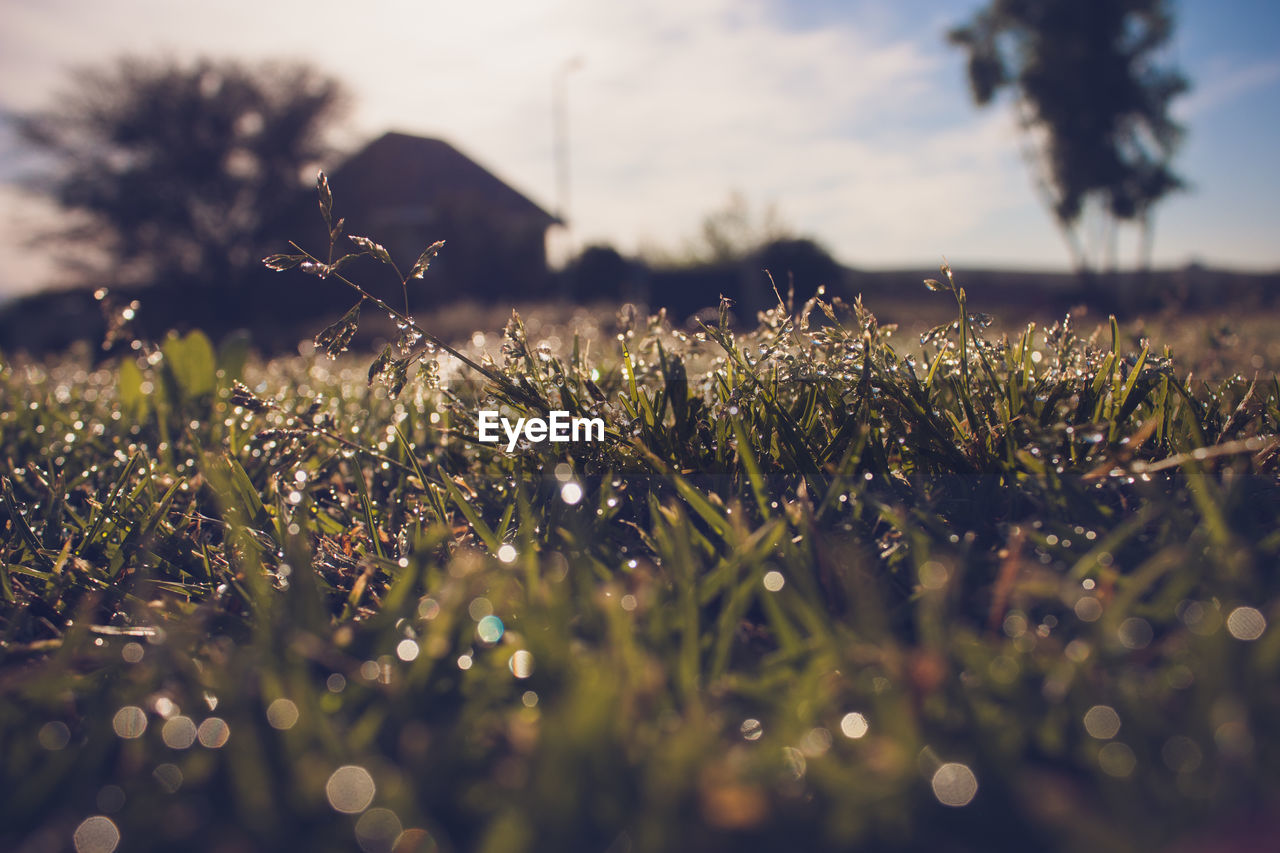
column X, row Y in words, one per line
column 815, row 585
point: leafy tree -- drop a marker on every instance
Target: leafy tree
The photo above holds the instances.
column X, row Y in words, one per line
column 733, row 232
column 727, row 235
column 1094, row 103
column 175, row 170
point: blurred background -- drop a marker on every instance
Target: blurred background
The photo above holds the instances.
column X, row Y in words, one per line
column 1088, row 153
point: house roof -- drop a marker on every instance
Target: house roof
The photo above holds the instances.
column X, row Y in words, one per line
column 398, row 170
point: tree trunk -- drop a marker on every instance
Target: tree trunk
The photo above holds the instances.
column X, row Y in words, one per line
column 1147, row 241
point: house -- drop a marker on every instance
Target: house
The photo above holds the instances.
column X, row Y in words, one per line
column 407, row 191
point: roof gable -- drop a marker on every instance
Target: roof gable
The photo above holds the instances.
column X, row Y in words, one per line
column 398, row 170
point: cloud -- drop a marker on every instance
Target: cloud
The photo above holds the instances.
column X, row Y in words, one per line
column 677, row 104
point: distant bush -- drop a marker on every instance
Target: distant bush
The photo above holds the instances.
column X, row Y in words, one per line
column 599, row 273
column 802, row 263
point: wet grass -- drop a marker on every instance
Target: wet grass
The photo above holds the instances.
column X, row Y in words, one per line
column 819, row 588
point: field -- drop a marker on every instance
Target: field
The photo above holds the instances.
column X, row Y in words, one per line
column 823, row 585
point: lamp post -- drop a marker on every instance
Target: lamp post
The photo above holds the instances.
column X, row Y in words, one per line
column 560, row 129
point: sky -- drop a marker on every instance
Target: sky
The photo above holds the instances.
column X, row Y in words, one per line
column 851, row 118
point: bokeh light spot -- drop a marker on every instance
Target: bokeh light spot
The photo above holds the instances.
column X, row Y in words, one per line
column 179, row 732
column 1088, row 609
column 794, row 762
column 853, row 725
column 407, row 650
column 129, row 722
column 169, row 776
column 571, row 493
column 1246, row 623
column 933, row 575
column 377, row 830
column 282, row 714
column 1102, row 722
column 54, row 735
column 416, row 841
column 350, row 789
column 954, row 784
column 97, row 834
column 213, row 733
column 489, row 629
column 1117, row 759
column 815, row 742
column 1135, row 633
column 521, row 664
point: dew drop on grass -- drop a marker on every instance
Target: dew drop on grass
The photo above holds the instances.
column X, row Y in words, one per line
column 751, row 729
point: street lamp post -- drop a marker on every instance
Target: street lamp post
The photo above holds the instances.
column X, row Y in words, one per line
column 560, row 127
